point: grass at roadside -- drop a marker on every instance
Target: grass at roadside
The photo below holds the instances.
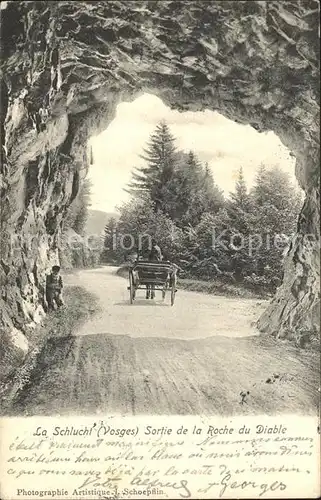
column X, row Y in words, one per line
column 216, row 287
column 79, row 306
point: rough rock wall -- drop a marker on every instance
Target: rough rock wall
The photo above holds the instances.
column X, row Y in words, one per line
column 66, row 66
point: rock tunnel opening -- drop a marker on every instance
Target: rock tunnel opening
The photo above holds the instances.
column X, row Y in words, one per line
column 115, row 152
column 225, row 145
column 240, row 62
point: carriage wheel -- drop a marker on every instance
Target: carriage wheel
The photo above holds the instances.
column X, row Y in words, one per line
column 132, row 290
column 173, row 292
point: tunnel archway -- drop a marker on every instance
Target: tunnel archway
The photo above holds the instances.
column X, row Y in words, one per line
column 66, row 66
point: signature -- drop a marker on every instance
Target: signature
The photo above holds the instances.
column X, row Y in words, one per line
column 228, row 482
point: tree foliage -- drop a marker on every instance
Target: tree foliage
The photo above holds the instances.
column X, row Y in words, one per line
column 155, row 179
column 110, row 239
column 176, row 182
column 175, row 199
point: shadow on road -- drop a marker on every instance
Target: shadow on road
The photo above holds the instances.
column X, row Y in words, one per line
column 109, row 374
column 142, row 302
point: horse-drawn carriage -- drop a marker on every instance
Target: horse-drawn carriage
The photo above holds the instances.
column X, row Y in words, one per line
column 153, row 276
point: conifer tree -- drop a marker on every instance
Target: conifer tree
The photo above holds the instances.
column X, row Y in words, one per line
column 240, row 197
column 110, row 241
column 161, row 159
column 214, row 195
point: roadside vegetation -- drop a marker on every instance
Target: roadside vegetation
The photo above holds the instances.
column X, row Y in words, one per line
column 79, row 306
column 216, row 286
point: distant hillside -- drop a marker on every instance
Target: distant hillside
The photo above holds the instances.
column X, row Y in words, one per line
column 97, row 221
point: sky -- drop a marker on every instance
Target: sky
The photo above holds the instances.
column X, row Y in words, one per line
column 224, row 144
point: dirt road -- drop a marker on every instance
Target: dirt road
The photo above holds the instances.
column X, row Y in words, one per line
column 193, row 316
column 193, row 358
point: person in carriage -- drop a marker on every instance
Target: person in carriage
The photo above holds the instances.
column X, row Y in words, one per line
column 155, row 255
